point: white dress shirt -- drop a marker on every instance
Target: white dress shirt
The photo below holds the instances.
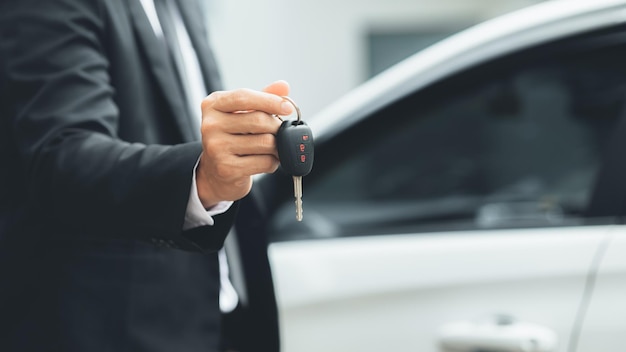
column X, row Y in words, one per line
column 196, row 90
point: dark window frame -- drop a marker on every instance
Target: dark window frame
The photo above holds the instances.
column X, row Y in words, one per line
column 334, row 151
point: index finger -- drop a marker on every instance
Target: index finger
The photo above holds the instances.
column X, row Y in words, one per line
column 247, row 100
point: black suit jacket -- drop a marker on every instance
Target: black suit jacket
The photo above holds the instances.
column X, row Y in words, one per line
column 97, row 152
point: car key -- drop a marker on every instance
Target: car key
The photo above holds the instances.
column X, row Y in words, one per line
column 294, row 142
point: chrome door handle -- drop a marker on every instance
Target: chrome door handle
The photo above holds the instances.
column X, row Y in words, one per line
column 497, row 334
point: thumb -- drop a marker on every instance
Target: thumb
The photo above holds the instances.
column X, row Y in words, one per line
column 280, row 88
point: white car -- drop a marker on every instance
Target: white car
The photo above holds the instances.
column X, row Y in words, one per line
column 471, row 198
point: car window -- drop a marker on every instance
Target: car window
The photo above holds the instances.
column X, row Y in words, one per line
column 515, row 142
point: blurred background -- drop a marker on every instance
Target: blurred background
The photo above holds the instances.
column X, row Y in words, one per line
column 325, row 47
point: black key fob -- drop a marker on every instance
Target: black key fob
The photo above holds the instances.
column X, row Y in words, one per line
column 294, row 142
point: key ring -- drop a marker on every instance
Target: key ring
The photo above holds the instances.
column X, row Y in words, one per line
column 295, row 106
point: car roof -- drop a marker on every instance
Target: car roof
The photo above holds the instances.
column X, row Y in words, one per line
column 531, row 26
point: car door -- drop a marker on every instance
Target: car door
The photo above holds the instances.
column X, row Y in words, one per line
column 456, row 217
column 604, row 311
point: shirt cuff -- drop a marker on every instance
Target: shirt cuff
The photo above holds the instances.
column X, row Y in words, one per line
column 196, row 215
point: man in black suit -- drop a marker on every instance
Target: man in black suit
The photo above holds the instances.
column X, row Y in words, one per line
column 103, row 171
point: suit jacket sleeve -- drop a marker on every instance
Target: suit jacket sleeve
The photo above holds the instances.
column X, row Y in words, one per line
column 65, row 122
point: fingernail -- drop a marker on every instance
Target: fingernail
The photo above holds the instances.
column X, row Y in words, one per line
column 286, row 108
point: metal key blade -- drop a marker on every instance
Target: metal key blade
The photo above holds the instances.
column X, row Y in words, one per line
column 297, row 192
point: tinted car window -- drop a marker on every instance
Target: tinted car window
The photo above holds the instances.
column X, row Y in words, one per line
column 515, row 142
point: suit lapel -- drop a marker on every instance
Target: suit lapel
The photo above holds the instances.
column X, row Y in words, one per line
column 162, row 68
column 194, row 19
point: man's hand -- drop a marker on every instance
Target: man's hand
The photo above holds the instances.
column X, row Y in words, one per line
column 238, row 140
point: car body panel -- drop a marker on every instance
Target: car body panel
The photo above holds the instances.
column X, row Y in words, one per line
column 604, row 324
column 412, row 285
